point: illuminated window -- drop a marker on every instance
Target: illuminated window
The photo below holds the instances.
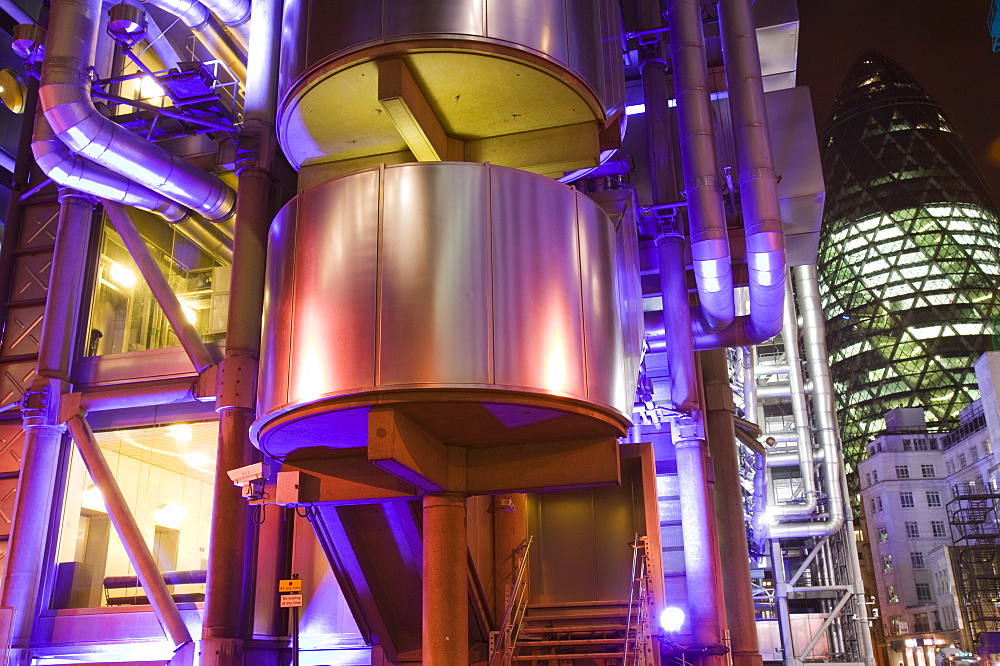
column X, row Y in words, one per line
column 887, row 564
column 890, row 594
column 124, row 316
column 166, row 474
column 883, row 534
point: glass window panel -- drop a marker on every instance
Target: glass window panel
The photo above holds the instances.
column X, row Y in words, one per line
column 166, row 474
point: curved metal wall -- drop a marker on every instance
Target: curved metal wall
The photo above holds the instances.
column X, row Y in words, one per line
column 445, row 276
column 582, row 35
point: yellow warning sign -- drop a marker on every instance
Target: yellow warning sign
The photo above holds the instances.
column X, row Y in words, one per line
column 293, row 585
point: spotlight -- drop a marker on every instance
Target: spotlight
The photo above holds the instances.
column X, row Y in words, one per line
column 12, row 90
column 672, row 619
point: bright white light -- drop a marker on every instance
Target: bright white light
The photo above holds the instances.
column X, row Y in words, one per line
column 121, row 275
column 149, row 88
column 92, row 499
column 181, row 432
column 672, row 619
column 190, row 313
column 170, row 515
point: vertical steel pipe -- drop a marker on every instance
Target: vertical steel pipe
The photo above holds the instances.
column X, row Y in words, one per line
column 700, row 548
column 703, row 185
column 680, row 349
column 800, row 414
column 445, row 604
column 190, row 340
column 128, row 531
column 32, row 518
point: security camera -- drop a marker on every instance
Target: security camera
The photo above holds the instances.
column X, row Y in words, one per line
column 251, row 479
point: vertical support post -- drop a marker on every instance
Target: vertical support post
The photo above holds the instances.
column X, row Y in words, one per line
column 229, row 586
column 43, row 433
column 445, row 611
column 700, row 549
column 781, row 600
column 729, row 510
column 510, row 533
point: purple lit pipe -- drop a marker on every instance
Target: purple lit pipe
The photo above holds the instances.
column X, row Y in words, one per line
column 680, row 353
column 196, row 16
column 709, row 239
column 65, row 98
column 73, row 171
column 236, row 15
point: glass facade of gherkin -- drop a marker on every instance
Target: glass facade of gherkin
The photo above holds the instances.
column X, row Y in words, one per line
column 909, row 255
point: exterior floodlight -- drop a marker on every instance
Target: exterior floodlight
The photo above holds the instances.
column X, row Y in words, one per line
column 672, row 619
column 12, row 90
column 126, row 24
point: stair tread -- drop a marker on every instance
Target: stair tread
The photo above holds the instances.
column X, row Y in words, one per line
column 569, row 655
column 570, row 641
column 580, row 604
column 572, row 616
column 562, row 629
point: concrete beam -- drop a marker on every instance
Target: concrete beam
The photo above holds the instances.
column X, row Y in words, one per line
column 411, row 113
column 347, row 477
column 548, row 151
column 402, row 448
column 543, row 466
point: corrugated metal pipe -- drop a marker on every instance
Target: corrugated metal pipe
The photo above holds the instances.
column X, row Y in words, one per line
column 74, row 172
column 706, row 214
column 198, row 19
column 824, row 413
column 65, row 97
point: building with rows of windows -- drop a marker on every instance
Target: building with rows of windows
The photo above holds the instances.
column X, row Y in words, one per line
column 930, row 503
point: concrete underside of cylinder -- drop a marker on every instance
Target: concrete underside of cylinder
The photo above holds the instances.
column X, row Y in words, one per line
column 480, row 303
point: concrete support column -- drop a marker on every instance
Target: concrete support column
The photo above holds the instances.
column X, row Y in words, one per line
column 445, row 610
column 43, row 434
column 729, row 511
column 510, row 534
column 700, row 549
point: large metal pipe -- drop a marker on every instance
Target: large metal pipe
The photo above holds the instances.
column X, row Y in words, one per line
column 706, row 213
column 65, row 99
column 74, row 172
column 762, row 228
column 128, row 531
column 824, row 413
column 235, row 14
column 198, row 19
column 680, row 351
column 165, row 297
column 43, row 433
column 800, row 414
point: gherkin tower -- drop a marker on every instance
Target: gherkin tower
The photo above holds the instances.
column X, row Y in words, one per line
column 909, row 255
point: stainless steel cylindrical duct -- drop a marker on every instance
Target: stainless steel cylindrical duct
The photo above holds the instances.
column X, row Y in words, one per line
column 488, row 295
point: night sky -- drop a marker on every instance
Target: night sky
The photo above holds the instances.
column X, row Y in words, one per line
column 944, row 44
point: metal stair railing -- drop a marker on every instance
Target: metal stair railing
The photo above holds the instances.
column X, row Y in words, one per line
column 517, row 602
column 638, row 647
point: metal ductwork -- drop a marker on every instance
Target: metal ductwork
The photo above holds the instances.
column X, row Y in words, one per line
column 824, row 412
column 707, row 217
column 758, row 187
column 236, row 15
column 198, row 19
column 65, row 97
column 74, row 172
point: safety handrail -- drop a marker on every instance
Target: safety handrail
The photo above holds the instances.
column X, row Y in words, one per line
column 637, row 646
column 503, row 648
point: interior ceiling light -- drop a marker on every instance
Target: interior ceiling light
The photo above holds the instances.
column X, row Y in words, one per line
column 121, row 275
column 12, row 90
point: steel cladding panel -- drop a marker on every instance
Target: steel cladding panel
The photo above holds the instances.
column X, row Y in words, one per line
column 460, row 17
column 601, row 323
column 538, row 24
column 279, row 308
column 333, row 342
column 538, row 314
column 583, row 17
column 435, row 276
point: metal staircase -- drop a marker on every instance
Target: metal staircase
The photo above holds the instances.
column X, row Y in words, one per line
column 585, row 633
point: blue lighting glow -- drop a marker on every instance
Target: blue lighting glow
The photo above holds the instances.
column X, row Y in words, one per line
column 636, row 109
column 672, row 619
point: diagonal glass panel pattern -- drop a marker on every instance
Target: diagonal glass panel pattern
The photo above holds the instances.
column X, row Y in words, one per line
column 908, row 256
